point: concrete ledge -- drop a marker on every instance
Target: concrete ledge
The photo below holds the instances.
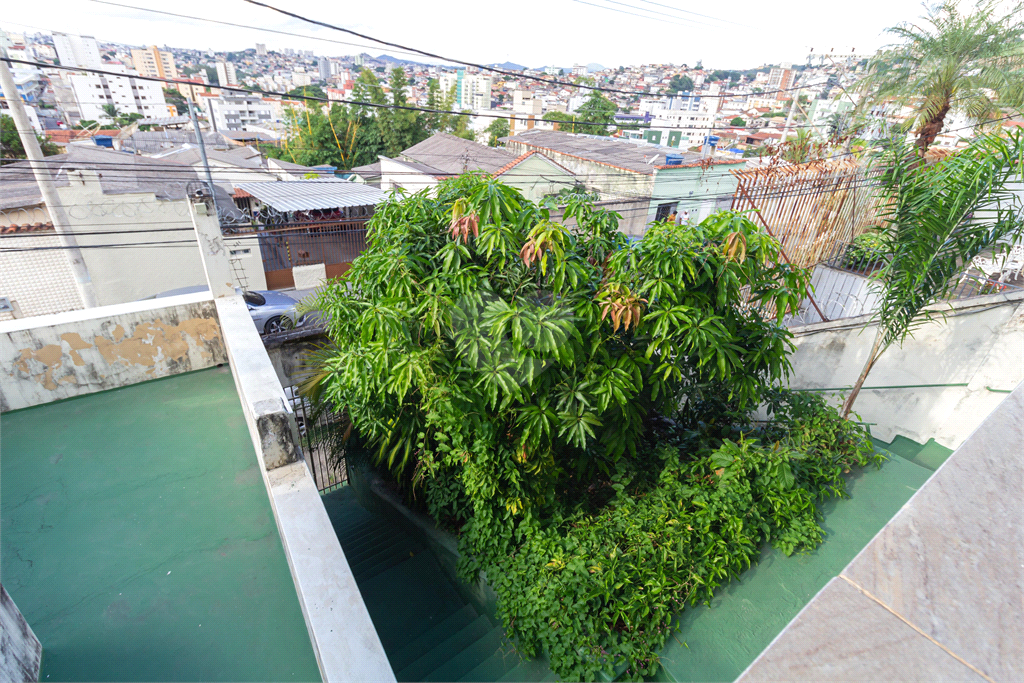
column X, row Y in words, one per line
column 344, row 639
column 936, row 594
column 20, row 651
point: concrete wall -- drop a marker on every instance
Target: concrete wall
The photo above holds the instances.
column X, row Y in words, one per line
column 49, row 358
column 936, row 595
column 20, row 651
column 536, row 177
column 129, row 274
column 980, row 344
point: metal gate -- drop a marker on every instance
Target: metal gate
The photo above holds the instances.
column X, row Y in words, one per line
column 322, row 442
column 333, row 244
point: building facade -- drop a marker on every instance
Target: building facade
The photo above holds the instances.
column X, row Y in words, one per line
column 154, row 63
column 226, row 74
column 77, row 51
column 234, row 111
column 130, row 95
column 472, row 91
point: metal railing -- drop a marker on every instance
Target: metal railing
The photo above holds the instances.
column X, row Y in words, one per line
column 322, row 441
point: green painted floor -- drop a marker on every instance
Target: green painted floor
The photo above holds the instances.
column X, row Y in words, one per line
column 138, row 540
column 717, row 643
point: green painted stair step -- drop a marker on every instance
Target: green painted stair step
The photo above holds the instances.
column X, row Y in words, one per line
column 503, row 662
column 408, row 599
column 469, row 658
column 444, row 651
column 417, row 647
column 931, row 455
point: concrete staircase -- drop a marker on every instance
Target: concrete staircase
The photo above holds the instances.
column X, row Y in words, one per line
column 428, row 631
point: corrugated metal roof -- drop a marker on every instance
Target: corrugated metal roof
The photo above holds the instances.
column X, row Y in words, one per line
column 624, row 154
column 453, row 155
column 312, row 195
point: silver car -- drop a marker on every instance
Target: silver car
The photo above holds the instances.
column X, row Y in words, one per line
column 271, row 311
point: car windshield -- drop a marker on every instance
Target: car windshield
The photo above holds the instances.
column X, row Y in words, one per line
column 253, row 299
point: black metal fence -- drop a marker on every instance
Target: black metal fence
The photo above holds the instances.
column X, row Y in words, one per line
column 322, row 442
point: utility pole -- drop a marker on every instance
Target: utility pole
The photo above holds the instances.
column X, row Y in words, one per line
column 202, row 153
column 47, row 189
column 789, row 119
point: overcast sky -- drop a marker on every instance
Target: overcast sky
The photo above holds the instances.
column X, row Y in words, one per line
column 741, row 34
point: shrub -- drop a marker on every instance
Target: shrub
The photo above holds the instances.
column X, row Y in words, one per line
column 865, row 251
column 576, row 406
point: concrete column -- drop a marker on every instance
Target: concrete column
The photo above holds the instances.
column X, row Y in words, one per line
column 211, row 245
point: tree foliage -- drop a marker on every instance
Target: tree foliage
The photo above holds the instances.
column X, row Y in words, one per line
column 680, row 83
column 951, row 61
column 935, row 218
column 575, row 406
column 11, row 146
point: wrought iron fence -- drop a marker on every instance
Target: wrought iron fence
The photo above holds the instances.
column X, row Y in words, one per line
column 322, row 436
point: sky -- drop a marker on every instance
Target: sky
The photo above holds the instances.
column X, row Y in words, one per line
column 732, row 35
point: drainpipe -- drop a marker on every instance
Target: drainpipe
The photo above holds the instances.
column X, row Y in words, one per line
column 80, row 271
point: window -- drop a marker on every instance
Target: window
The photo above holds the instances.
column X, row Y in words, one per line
column 241, row 252
column 665, row 210
column 253, row 299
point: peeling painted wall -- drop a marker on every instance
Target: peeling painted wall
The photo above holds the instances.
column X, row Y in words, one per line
column 104, row 348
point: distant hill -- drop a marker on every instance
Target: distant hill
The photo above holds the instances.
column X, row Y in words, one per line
column 508, row 66
column 594, row 66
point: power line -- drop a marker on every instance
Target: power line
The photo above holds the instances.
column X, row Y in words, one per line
column 236, row 25
column 686, row 11
column 643, row 16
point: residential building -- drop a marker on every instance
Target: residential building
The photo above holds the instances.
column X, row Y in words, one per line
column 77, row 51
column 261, row 49
column 444, row 156
column 234, row 111
column 579, row 70
column 130, row 95
column 154, row 63
column 226, row 73
column 820, row 111
column 472, row 91
column 656, row 180
column 780, row 79
column 324, row 67
column 28, row 83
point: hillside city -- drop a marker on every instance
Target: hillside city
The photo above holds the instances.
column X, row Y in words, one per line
column 674, row 105
column 399, row 366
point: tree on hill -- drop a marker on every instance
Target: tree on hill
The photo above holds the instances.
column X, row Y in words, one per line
column 680, row 84
column 737, row 122
column 307, row 91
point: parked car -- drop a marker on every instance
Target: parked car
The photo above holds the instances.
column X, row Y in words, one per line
column 271, row 311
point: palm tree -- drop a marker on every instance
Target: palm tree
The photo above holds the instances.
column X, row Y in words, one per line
column 935, row 218
column 111, row 111
column 951, row 60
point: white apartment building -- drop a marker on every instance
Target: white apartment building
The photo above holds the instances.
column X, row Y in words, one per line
column 226, row 74
column 261, row 49
column 235, row 111
column 130, row 95
column 527, row 110
column 681, row 127
column 79, row 51
column 472, row 91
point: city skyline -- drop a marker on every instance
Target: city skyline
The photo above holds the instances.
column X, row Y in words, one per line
column 717, row 44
